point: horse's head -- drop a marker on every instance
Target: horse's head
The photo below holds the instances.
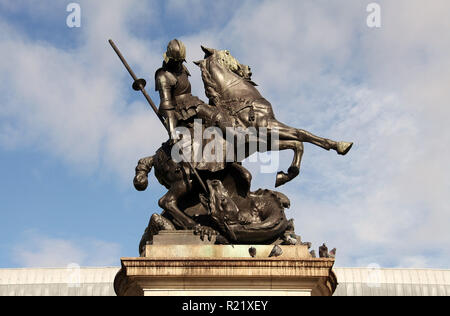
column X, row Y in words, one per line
column 226, row 60
column 220, row 69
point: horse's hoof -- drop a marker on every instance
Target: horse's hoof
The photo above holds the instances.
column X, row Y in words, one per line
column 293, row 172
column 343, row 147
column 282, row 178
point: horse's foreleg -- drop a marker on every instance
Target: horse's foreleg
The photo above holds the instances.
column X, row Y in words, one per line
column 294, row 169
column 308, row 137
column 169, row 203
column 290, row 133
column 341, row 148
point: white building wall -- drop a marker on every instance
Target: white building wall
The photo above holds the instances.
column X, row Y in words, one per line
column 71, row 281
column 75, row 281
column 392, row 282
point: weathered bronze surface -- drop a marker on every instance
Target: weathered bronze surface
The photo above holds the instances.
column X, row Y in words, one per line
column 215, row 199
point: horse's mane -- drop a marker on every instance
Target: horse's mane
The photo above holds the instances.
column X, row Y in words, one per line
column 211, row 88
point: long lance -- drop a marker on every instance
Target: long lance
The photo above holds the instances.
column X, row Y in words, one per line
column 139, row 85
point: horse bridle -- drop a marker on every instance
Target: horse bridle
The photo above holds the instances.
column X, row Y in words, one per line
column 231, row 85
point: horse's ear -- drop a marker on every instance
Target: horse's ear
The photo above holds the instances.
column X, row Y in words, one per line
column 198, row 63
column 208, row 51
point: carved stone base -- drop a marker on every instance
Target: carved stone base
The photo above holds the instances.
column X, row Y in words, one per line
column 180, row 237
column 217, row 270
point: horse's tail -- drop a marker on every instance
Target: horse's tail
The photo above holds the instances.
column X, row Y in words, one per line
column 143, row 168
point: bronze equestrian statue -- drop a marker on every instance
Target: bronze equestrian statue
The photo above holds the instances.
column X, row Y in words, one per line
column 215, row 199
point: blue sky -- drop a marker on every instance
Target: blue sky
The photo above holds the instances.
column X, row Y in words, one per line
column 72, row 130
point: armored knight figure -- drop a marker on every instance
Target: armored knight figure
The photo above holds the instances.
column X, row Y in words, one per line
column 172, row 83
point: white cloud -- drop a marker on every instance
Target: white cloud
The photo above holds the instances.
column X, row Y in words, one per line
column 72, row 103
column 37, row 250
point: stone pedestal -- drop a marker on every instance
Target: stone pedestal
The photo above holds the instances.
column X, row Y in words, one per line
column 204, row 269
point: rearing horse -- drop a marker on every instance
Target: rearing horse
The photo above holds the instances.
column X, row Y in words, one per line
column 228, row 84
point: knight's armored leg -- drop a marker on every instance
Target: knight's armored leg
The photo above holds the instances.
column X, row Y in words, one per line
column 215, row 116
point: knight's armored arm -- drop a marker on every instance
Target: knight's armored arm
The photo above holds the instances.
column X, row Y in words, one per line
column 164, row 83
column 166, row 100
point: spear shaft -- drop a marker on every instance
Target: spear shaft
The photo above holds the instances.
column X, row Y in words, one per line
column 138, row 84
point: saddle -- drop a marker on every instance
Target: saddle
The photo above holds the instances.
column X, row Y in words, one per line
column 186, row 106
column 237, row 105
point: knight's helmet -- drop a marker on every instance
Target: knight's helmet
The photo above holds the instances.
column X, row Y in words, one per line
column 175, row 51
